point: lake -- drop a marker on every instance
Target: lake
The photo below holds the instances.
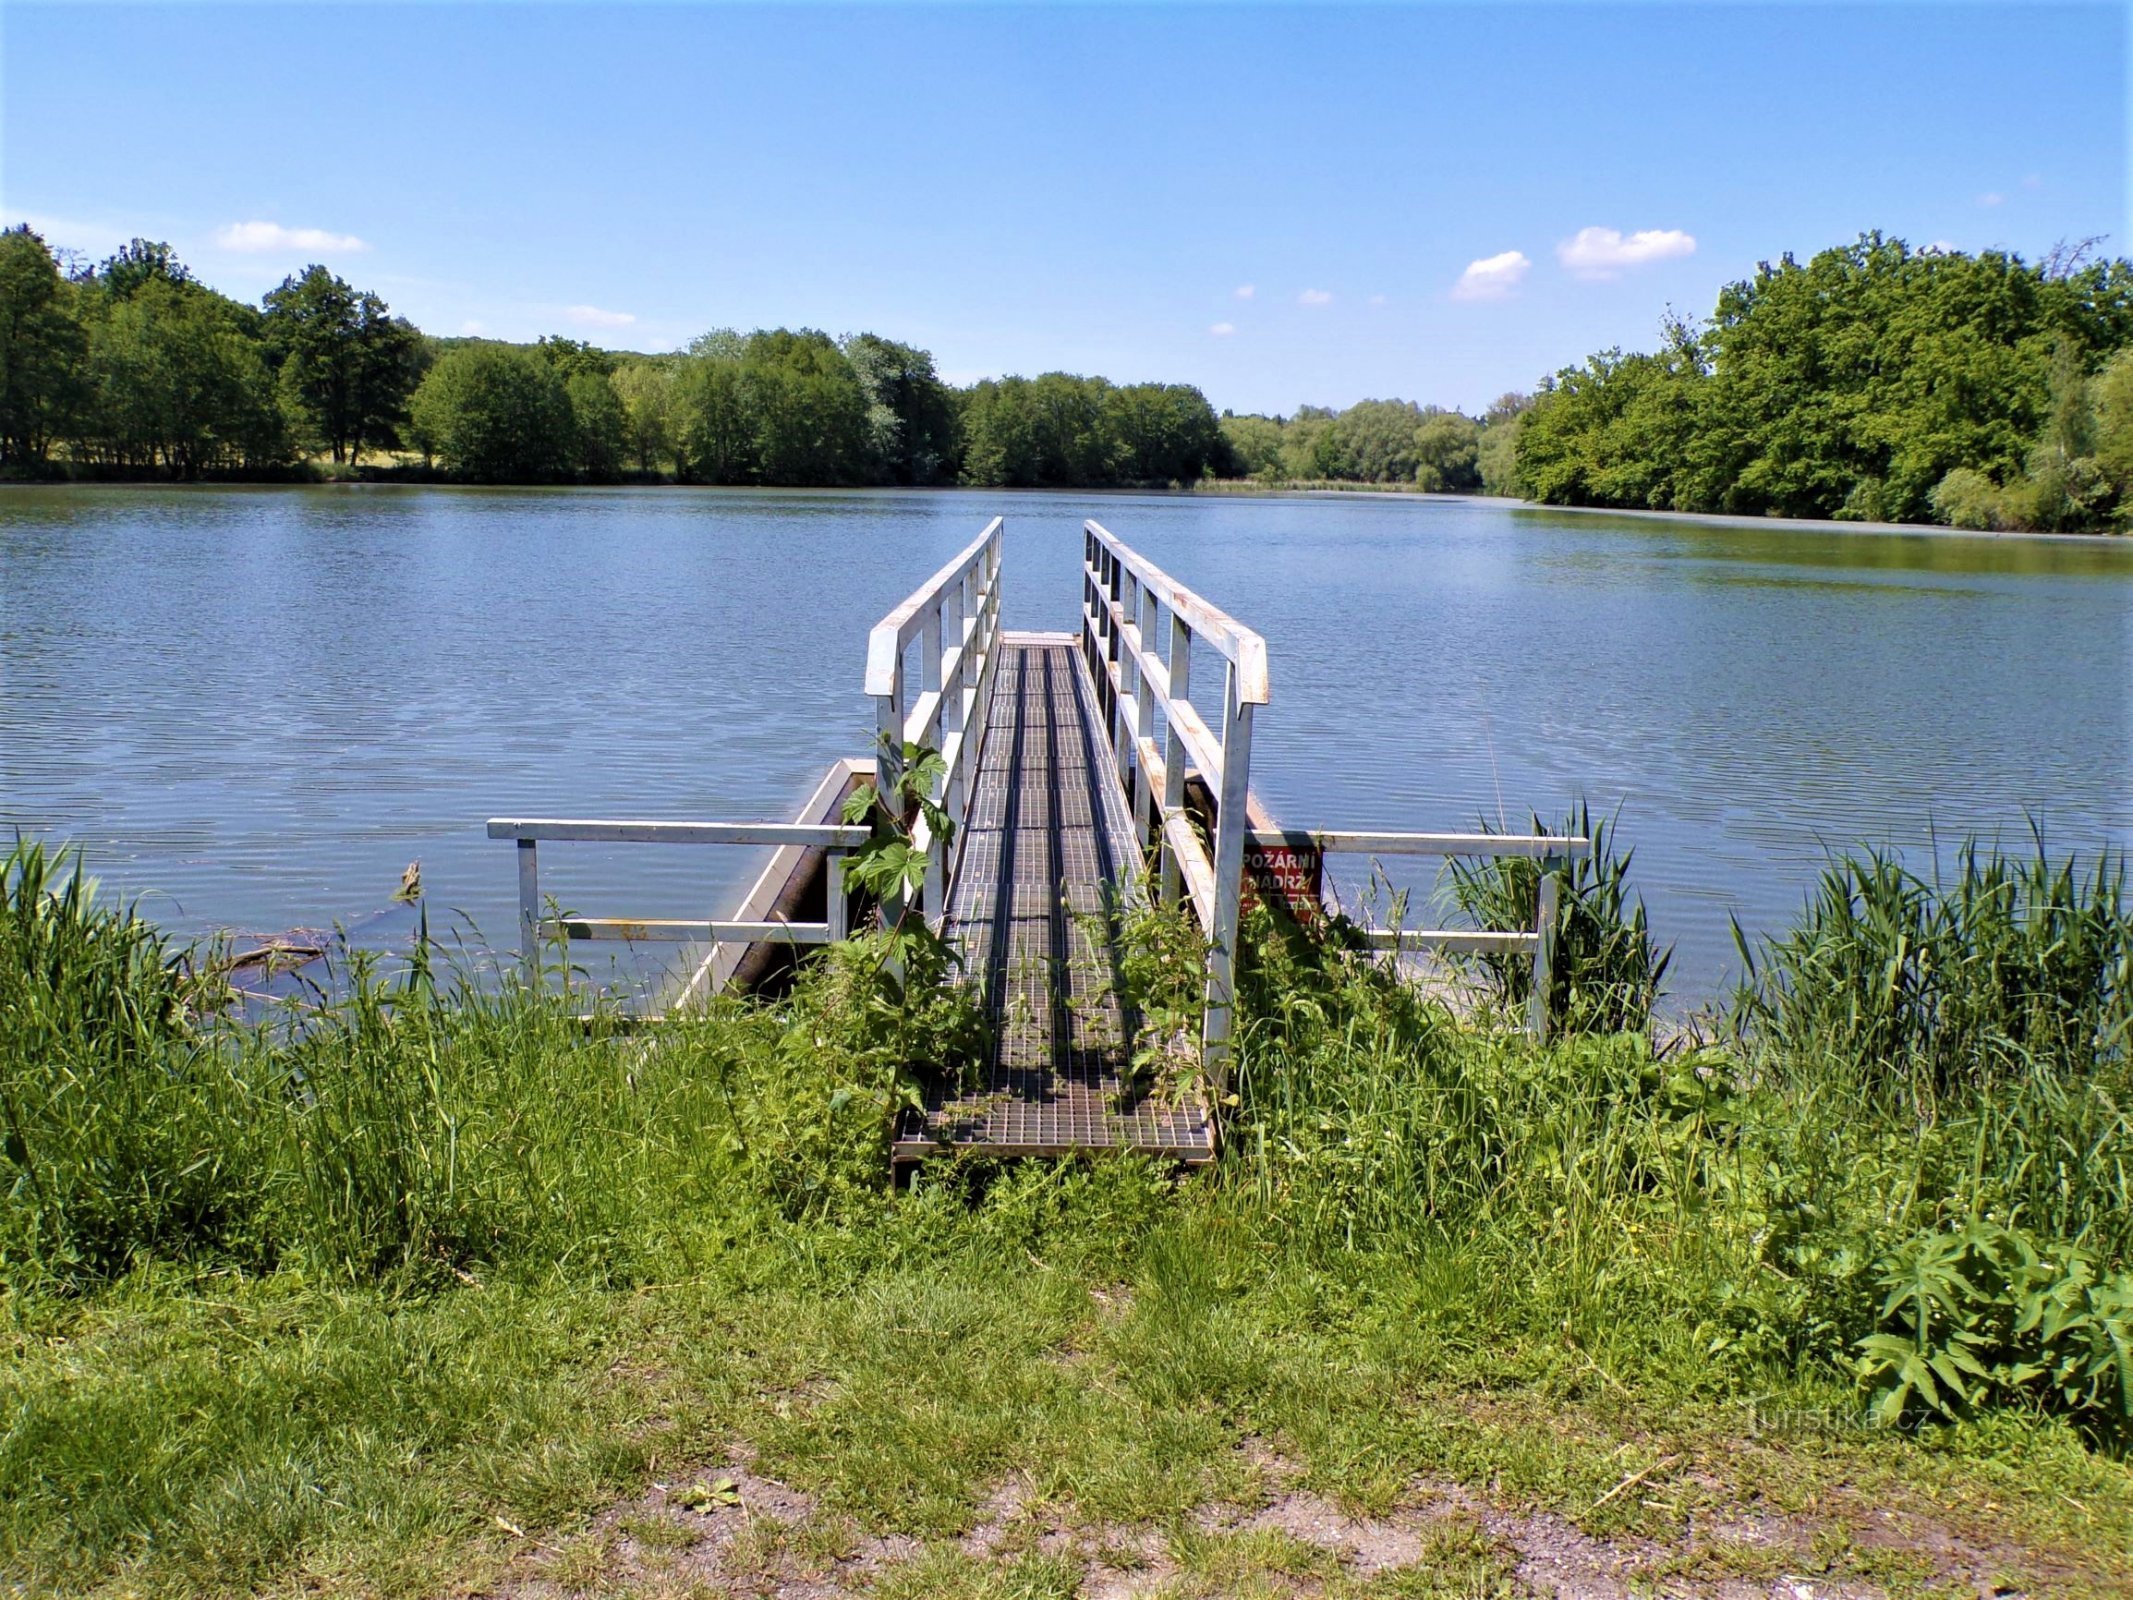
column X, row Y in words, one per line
column 254, row 707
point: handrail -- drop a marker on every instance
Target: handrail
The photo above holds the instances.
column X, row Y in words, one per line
column 887, row 638
column 1135, row 668
column 955, row 614
column 1550, row 850
column 1567, row 847
column 833, row 839
column 1241, row 646
column 1125, row 598
column 822, row 836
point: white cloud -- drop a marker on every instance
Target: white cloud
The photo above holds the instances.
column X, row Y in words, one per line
column 1941, row 247
column 1603, row 252
column 1992, row 197
column 2034, row 180
column 1377, row 299
column 261, row 238
column 1315, row 297
column 1246, row 290
column 594, row 317
column 473, row 328
column 1222, row 330
column 1492, row 277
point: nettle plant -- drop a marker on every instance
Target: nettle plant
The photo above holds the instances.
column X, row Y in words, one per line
column 907, row 970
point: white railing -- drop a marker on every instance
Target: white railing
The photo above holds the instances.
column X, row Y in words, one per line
column 1554, row 853
column 1138, row 626
column 955, row 617
column 1131, row 609
column 836, row 841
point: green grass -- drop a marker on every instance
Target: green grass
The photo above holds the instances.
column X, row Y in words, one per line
column 431, row 1294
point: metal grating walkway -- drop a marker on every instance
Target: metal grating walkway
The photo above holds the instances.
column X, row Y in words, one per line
column 1048, row 830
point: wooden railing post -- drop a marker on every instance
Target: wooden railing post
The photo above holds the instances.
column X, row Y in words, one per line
column 1548, row 903
column 1231, row 825
column 529, row 907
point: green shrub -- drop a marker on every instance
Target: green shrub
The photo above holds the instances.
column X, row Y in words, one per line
column 1966, row 498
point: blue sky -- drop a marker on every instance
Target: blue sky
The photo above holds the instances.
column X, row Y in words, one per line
column 1280, row 205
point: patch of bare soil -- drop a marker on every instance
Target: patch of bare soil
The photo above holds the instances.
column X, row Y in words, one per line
column 729, row 1531
column 725, row 1531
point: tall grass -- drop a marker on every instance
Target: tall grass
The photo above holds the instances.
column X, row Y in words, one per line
column 124, row 1129
column 415, row 1129
column 2012, row 967
column 1923, row 1080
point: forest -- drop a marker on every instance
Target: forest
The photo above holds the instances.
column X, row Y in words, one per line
column 1875, row 382
column 135, row 368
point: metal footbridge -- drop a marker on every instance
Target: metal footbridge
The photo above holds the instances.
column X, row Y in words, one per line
column 1085, row 772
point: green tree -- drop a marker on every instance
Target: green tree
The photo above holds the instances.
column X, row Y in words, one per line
column 776, row 407
column 599, row 423
column 1373, row 441
column 1255, row 444
column 136, row 263
column 809, row 411
column 1614, row 431
column 497, row 414
column 1044, row 432
column 646, row 390
column 570, row 357
column 42, row 348
column 1161, row 433
column 1447, row 451
column 175, row 372
column 347, row 364
column 1497, row 455
column 1850, row 386
column 716, row 427
column 910, row 421
column 2112, row 400
column 1310, row 445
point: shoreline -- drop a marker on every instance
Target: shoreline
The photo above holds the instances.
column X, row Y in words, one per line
column 1929, row 530
column 1212, row 488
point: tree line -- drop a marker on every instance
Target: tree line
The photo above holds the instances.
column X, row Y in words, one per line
column 134, row 367
column 1874, row 382
column 1383, row 442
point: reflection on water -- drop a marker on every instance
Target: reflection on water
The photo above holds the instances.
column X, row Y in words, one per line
column 257, row 706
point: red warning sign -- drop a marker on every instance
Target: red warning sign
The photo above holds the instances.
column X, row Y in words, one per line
column 1290, row 875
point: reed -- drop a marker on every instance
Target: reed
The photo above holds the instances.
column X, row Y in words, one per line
column 414, row 1128
column 1608, row 968
column 1935, row 989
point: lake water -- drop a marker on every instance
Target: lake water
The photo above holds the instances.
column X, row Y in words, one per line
column 257, row 706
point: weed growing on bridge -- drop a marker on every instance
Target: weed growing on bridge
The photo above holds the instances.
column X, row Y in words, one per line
column 1162, row 981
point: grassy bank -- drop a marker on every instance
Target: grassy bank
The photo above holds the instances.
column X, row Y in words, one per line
column 436, row 1294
